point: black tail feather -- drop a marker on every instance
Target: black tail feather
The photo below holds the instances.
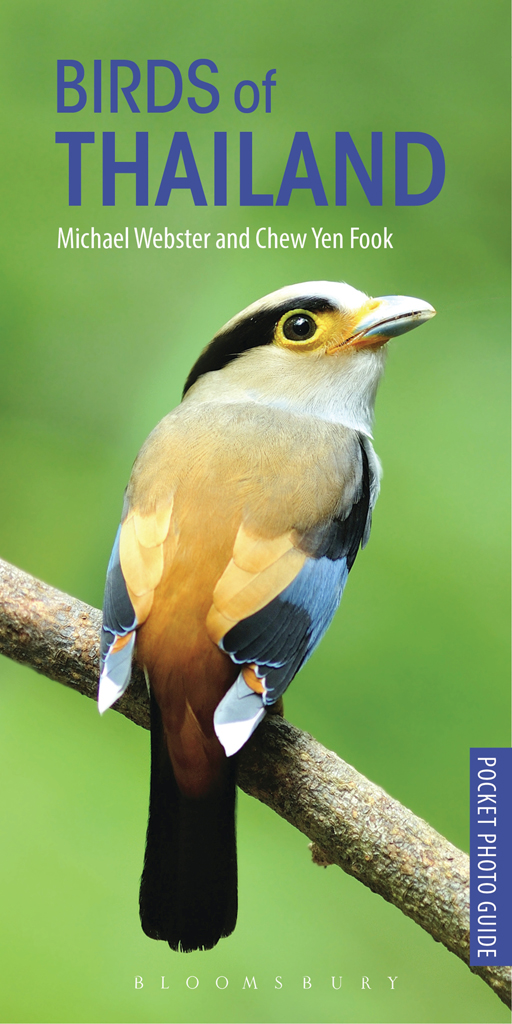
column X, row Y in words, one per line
column 188, row 892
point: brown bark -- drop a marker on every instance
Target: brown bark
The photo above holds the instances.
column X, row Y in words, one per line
column 351, row 821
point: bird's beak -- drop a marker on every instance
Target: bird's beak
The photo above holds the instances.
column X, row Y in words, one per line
column 387, row 317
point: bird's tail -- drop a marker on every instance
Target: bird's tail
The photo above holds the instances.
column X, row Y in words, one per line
column 188, row 892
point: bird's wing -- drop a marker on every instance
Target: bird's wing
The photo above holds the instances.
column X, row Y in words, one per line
column 134, row 571
column 273, row 604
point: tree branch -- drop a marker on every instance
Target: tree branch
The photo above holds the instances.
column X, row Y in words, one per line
column 351, row 821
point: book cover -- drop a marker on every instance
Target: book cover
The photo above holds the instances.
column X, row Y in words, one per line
column 287, row 142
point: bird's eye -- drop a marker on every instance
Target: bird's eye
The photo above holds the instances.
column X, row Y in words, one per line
column 299, row 327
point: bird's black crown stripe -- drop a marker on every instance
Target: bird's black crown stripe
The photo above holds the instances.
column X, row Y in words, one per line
column 253, row 332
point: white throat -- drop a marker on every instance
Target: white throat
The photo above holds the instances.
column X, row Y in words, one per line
column 340, row 388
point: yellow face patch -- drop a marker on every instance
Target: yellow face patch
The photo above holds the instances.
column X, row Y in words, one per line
column 303, row 330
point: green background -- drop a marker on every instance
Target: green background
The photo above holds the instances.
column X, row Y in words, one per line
column 95, row 348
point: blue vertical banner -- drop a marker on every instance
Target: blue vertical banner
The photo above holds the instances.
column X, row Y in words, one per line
column 491, row 856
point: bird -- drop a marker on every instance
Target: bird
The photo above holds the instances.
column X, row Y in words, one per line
column 243, row 515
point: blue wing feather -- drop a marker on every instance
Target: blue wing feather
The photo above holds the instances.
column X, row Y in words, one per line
column 283, row 635
column 118, row 613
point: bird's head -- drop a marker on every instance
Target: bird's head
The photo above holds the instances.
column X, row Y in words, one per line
column 317, row 347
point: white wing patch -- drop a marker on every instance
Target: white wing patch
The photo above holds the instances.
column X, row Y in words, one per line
column 116, row 672
column 237, row 715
